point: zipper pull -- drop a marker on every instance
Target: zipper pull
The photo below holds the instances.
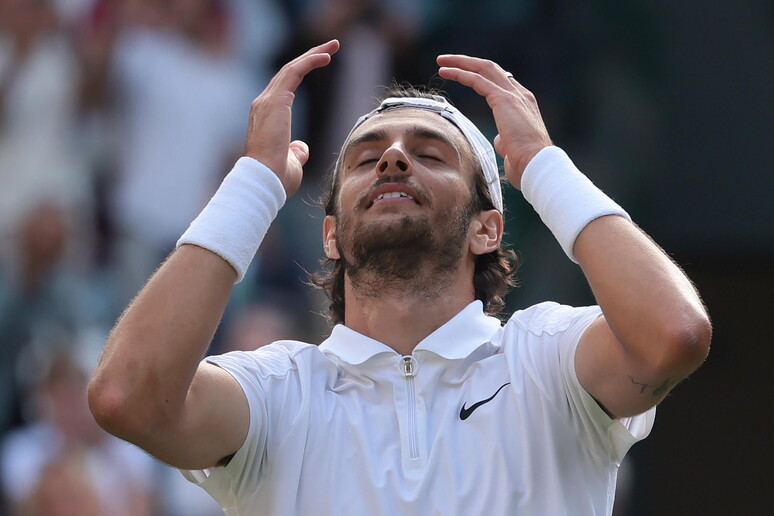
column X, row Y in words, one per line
column 409, row 366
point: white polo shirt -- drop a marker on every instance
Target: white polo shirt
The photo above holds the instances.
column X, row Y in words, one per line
column 479, row 419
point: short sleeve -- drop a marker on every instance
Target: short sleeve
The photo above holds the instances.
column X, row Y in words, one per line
column 230, row 483
column 613, row 436
column 546, row 341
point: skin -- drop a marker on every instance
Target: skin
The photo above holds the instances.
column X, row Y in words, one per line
column 151, row 389
column 443, row 171
column 654, row 330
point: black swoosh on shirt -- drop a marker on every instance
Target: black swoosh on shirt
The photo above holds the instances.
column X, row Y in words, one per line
column 466, row 412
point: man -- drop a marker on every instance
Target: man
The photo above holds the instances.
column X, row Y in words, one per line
column 418, row 403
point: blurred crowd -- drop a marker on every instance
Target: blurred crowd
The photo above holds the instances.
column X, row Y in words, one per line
column 118, row 118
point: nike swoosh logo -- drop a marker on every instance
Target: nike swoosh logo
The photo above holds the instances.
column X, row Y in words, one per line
column 466, row 412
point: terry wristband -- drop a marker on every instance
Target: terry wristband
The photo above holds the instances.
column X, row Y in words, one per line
column 236, row 219
column 566, row 200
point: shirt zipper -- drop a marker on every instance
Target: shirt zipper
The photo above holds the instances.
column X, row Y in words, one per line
column 409, row 367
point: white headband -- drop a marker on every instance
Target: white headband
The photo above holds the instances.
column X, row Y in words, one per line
column 481, row 146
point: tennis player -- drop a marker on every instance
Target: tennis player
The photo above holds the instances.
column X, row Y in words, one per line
column 420, row 401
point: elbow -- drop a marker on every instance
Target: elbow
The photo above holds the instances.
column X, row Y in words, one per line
column 113, row 410
column 687, row 343
column 108, row 407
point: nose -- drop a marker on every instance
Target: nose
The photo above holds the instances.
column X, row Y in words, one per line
column 394, row 162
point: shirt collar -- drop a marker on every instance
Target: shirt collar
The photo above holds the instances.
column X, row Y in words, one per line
column 456, row 339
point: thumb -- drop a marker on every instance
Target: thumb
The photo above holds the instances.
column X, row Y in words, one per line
column 498, row 145
column 300, row 150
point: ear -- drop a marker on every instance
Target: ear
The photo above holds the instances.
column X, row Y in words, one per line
column 329, row 237
column 486, row 232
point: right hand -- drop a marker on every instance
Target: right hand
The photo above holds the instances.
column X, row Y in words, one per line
column 268, row 131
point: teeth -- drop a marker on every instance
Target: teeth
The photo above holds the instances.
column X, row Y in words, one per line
column 392, row 195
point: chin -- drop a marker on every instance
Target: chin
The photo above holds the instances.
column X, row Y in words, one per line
column 404, row 223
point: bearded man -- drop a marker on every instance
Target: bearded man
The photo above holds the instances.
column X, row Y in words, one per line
column 419, row 402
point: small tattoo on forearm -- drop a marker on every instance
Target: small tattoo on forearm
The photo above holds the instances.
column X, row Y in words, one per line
column 643, row 386
column 657, row 391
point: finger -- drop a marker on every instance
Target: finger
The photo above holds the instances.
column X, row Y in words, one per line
column 291, row 75
column 329, row 47
column 473, row 64
column 489, row 69
column 480, row 84
column 300, row 150
column 498, row 145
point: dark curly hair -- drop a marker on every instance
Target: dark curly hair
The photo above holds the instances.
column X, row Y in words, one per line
column 494, row 273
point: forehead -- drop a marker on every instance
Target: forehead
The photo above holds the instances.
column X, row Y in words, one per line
column 401, row 120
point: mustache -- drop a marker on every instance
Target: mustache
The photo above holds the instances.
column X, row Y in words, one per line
column 421, row 195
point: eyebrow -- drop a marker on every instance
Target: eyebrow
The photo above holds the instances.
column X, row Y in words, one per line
column 371, row 136
column 416, row 131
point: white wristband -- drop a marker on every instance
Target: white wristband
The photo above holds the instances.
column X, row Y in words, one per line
column 566, row 200
column 236, row 219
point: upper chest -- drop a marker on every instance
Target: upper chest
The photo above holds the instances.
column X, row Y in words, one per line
column 421, row 430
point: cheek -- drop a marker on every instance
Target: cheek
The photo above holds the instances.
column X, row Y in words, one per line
column 350, row 194
column 450, row 193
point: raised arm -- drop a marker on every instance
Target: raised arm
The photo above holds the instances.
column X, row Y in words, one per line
column 654, row 330
column 149, row 387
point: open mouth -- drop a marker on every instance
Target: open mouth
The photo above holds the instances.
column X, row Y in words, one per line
column 392, row 193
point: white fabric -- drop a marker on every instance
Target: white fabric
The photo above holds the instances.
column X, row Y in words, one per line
column 338, row 429
column 236, row 219
column 481, row 147
column 566, row 200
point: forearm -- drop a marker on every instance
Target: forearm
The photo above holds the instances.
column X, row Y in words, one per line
column 150, row 387
column 649, row 304
column 659, row 326
column 153, row 352
column 654, row 324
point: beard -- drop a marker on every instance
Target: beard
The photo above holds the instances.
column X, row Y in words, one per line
column 408, row 257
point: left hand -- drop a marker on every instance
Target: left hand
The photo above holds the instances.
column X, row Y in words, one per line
column 521, row 130
column 268, row 130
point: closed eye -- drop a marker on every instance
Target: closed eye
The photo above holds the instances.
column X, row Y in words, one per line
column 428, row 156
column 367, row 162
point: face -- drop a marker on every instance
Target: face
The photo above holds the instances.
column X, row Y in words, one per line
column 404, row 200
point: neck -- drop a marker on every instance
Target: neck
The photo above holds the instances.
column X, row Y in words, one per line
column 401, row 317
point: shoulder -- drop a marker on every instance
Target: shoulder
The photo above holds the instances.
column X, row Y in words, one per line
column 552, row 318
column 277, row 359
